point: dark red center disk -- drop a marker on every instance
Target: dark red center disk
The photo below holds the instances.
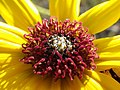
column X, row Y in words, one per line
column 59, row 49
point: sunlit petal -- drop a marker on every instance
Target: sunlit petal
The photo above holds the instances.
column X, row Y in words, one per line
column 20, row 13
column 101, row 16
column 65, row 9
column 108, row 51
column 91, row 84
column 103, row 80
column 11, row 34
column 6, row 46
column 108, row 44
column 12, row 29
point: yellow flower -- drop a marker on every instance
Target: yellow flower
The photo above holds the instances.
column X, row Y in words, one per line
column 21, row 14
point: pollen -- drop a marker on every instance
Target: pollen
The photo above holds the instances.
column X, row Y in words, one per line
column 60, row 43
column 59, row 49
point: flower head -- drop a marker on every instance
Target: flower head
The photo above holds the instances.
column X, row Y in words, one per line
column 59, row 49
column 59, row 54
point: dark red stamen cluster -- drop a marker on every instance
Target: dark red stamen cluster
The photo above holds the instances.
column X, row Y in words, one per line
column 48, row 60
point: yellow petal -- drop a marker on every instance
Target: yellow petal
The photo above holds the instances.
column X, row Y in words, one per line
column 48, row 84
column 11, row 36
column 13, row 73
column 41, row 83
column 65, row 9
column 55, row 85
column 91, row 84
column 16, row 81
column 12, row 29
column 106, row 64
column 101, row 16
column 10, row 58
column 109, row 55
column 34, row 83
column 63, row 84
column 107, row 82
column 6, row 46
column 109, row 44
column 19, row 13
column 108, row 51
column 76, row 84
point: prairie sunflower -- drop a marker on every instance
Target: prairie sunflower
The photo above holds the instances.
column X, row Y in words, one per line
column 63, row 52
